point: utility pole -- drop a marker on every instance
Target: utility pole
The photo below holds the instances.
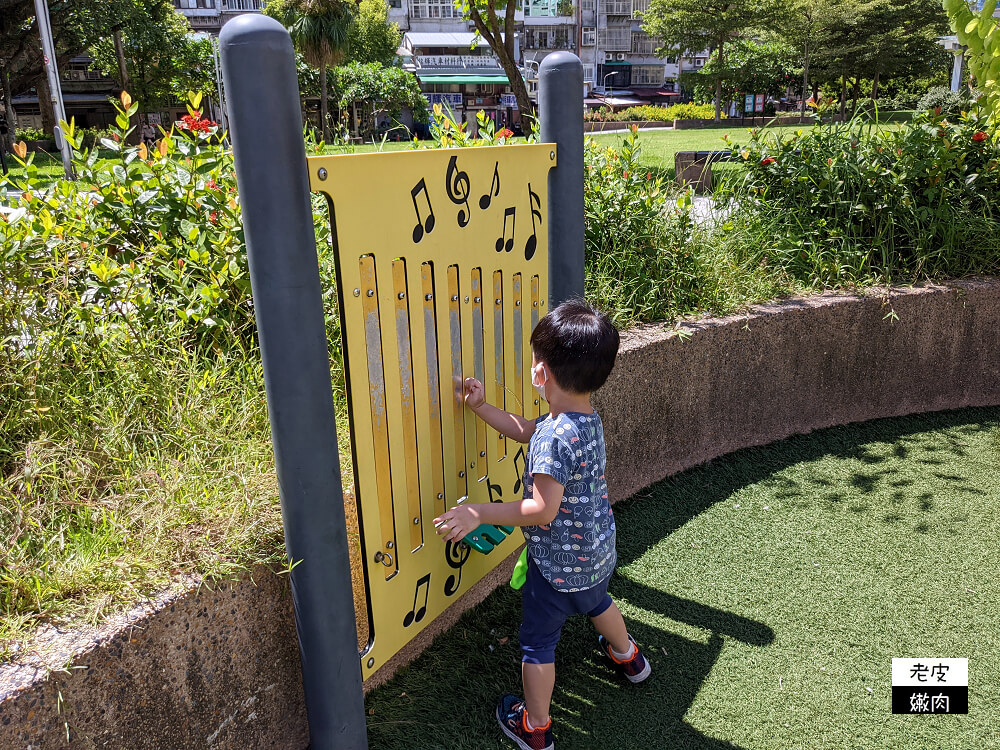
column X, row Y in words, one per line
column 55, row 91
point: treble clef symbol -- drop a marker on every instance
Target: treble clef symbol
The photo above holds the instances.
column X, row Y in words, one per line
column 457, row 183
column 455, row 553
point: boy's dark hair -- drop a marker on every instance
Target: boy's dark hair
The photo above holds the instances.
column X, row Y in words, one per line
column 578, row 343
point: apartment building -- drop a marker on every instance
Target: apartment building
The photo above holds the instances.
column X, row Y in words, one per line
column 210, row 16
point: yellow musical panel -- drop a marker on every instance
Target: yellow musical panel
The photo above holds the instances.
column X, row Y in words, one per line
column 442, row 266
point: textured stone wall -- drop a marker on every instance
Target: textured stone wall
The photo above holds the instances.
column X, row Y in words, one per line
column 218, row 668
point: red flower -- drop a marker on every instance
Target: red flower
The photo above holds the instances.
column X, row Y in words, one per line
column 979, row 137
column 211, row 185
column 214, row 217
column 505, row 133
column 649, row 175
column 625, row 175
column 768, row 160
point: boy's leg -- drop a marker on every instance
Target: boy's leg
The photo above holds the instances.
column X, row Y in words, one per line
column 538, row 679
column 611, row 625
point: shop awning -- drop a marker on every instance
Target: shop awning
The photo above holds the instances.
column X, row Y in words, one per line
column 653, row 93
column 461, row 78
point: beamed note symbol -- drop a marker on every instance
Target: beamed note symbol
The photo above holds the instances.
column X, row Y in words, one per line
column 505, row 242
column 417, row 614
column 457, row 183
column 425, row 225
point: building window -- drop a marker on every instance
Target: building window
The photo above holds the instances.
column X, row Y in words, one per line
column 642, row 43
column 432, row 9
column 614, row 76
column 616, row 7
column 547, row 37
column 588, row 73
column 589, row 36
column 616, row 40
column 639, row 7
column 396, row 3
column 587, row 5
column 647, row 75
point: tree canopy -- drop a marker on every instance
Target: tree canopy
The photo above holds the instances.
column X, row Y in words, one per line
column 372, row 37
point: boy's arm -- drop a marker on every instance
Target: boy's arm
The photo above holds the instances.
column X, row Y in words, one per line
column 539, row 509
column 509, row 425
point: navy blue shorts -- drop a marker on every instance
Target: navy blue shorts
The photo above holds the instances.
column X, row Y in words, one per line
column 545, row 609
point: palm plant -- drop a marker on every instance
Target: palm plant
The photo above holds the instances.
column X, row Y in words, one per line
column 320, row 30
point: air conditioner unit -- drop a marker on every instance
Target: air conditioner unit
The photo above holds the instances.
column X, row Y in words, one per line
column 608, row 56
column 620, row 56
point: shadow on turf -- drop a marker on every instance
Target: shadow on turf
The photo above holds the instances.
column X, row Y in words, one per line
column 445, row 699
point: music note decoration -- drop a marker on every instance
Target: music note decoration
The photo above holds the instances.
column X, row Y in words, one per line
column 484, row 202
column 457, row 183
column 425, row 225
column 503, row 241
column 416, row 615
column 519, row 472
column 535, row 203
column 456, row 554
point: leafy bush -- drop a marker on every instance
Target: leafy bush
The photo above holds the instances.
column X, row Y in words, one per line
column 638, row 229
column 654, row 113
column 952, row 103
column 31, row 134
column 849, row 203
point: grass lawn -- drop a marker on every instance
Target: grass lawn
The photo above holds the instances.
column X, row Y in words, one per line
column 770, row 590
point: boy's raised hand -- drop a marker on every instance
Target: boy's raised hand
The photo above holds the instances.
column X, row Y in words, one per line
column 458, row 522
column 475, row 394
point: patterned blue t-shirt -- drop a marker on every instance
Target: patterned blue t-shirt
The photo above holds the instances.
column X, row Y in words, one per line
column 577, row 550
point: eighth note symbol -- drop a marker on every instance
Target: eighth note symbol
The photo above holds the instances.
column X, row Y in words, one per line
column 532, row 243
column 485, row 201
column 428, row 223
column 502, row 242
column 416, row 615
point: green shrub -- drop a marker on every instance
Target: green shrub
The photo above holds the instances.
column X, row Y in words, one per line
column 638, row 230
column 31, row 134
column 952, row 103
column 848, row 203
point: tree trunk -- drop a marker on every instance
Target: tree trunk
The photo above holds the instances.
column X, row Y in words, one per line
column 120, row 54
column 843, row 95
column 855, row 93
column 8, row 109
column 878, row 74
column 718, row 85
column 503, row 48
column 45, row 103
column 805, row 80
column 322, row 101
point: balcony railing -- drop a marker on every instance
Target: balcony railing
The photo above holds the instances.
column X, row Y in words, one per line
column 643, row 45
column 615, row 41
column 616, row 7
column 466, row 62
column 243, row 5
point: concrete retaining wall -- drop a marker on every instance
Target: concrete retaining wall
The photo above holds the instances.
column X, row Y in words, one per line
column 219, row 668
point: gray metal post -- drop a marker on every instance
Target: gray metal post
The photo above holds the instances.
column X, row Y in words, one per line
column 258, row 68
column 55, row 90
column 560, row 109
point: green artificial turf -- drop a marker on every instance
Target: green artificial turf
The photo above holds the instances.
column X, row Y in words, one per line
column 771, row 590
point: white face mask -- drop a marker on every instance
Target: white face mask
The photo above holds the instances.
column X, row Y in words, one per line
column 536, row 372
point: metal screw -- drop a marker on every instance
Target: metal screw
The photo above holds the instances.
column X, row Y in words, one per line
column 543, row 303
column 322, row 173
column 371, row 292
column 401, row 295
column 461, row 474
column 482, row 453
column 534, row 304
column 517, row 303
column 440, row 496
column 371, row 662
column 477, row 300
column 552, row 155
column 454, row 298
column 472, row 465
column 498, row 300
column 536, row 402
column 357, row 292
column 389, row 545
column 416, row 521
column 466, row 299
column 428, row 297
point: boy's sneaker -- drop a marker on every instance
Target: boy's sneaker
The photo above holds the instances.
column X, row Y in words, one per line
column 513, row 720
column 636, row 668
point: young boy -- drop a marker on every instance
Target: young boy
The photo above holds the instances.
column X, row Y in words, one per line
column 565, row 514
